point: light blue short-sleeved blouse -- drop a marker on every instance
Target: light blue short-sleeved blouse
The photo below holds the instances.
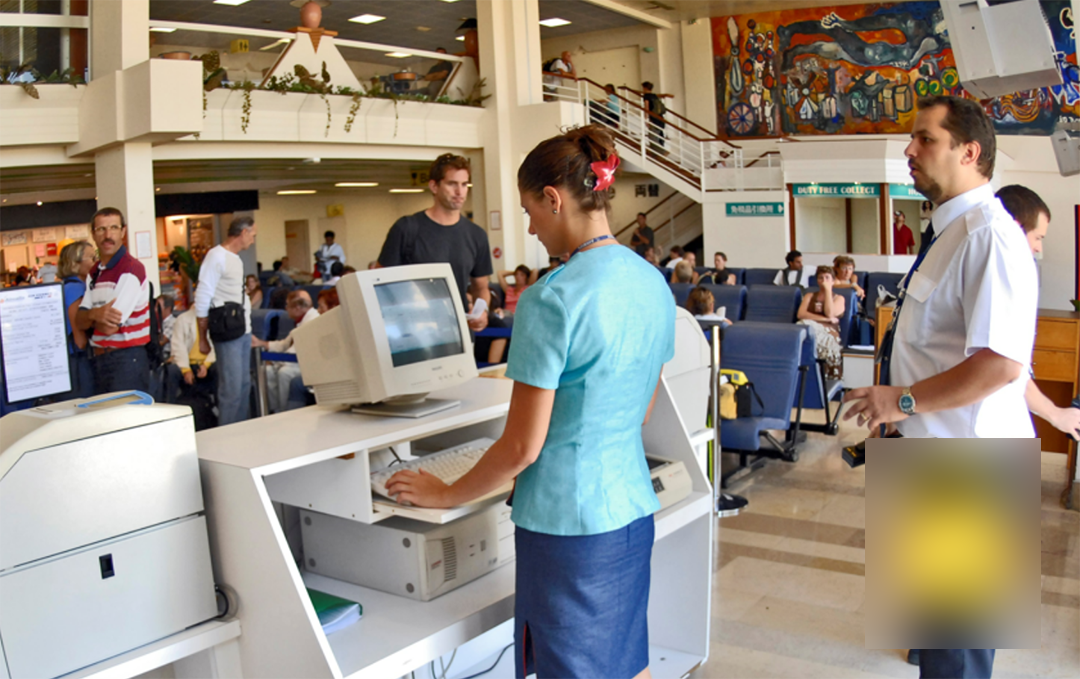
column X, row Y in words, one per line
column 597, row 330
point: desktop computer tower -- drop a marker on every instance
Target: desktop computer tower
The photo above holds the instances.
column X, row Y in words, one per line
column 405, row 557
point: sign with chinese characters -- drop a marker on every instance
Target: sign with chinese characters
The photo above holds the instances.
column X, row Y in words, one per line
column 836, row 190
column 755, row 209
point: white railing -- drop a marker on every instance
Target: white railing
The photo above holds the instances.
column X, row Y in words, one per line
column 668, row 145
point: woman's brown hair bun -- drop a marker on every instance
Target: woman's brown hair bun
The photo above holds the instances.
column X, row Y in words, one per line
column 564, row 162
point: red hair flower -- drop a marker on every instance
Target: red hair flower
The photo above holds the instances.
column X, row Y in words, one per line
column 605, row 172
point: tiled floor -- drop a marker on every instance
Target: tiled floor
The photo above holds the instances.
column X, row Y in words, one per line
column 789, row 581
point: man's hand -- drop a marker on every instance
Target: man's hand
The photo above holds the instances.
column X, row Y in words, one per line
column 875, row 406
column 204, row 346
column 256, row 342
column 1067, row 420
column 189, row 377
column 106, row 329
column 202, row 371
column 419, row 489
column 479, row 323
column 106, row 314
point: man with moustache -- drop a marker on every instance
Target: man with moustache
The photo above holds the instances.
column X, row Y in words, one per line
column 116, row 307
column 955, row 360
column 441, row 234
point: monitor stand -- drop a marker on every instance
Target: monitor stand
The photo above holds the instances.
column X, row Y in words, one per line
column 411, row 409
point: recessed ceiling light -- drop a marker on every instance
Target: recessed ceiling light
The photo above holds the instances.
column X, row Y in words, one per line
column 297, row 192
column 398, row 55
column 367, row 19
column 231, row 3
column 423, row 29
column 407, row 190
column 461, row 38
column 157, row 188
column 39, row 203
column 356, row 185
column 162, row 29
column 449, row 0
column 554, row 22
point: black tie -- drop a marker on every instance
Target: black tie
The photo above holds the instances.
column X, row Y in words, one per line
column 885, row 351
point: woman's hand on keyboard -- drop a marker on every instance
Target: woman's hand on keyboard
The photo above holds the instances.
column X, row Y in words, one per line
column 419, row 489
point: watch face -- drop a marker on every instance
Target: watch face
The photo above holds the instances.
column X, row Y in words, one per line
column 907, row 404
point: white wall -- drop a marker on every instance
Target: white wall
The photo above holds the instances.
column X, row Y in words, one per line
column 699, row 83
column 820, row 224
column 748, row 241
column 865, row 227
column 638, row 37
column 369, row 214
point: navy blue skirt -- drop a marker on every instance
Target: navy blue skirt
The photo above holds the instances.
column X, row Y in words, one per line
column 581, row 608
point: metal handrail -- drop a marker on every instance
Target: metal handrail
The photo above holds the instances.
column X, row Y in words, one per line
column 647, row 212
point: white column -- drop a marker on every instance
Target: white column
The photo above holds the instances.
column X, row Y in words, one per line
column 124, row 174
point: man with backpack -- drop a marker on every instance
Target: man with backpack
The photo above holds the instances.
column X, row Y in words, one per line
column 655, row 105
column 553, row 69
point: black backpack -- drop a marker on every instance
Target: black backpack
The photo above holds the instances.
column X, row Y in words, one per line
column 546, row 67
column 154, row 350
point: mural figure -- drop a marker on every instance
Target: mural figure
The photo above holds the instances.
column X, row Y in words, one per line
column 920, row 38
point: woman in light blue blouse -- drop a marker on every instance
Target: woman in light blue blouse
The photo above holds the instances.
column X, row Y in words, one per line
column 586, row 368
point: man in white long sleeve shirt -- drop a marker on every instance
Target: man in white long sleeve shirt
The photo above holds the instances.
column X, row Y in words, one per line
column 221, row 280
column 279, row 375
column 328, row 253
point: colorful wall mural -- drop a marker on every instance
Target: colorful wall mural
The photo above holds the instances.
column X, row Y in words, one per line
column 860, row 68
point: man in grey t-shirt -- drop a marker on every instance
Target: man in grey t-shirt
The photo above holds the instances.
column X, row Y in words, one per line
column 441, row 234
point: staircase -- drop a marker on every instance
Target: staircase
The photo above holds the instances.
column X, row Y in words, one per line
column 677, row 151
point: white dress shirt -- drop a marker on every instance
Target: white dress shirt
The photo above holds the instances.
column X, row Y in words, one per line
column 976, row 289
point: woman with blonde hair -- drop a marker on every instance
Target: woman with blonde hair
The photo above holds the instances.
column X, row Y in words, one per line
column 76, row 262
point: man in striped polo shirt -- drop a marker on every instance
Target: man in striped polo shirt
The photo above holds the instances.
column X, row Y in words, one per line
column 117, row 307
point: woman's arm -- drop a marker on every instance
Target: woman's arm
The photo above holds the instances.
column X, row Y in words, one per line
column 731, row 279
column 528, row 419
column 836, row 310
column 656, row 391
column 506, row 277
column 78, row 335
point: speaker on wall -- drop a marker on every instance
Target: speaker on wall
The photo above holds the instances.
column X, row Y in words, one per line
column 1001, row 48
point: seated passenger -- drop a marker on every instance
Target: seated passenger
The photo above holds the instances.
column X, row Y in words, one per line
column 821, row 312
column 684, row 273
column 702, row 304
column 514, row 283
column 844, row 273
column 337, row 270
column 254, row 290
column 720, row 274
column 189, row 374
column 791, row 275
column 328, row 299
column 279, row 375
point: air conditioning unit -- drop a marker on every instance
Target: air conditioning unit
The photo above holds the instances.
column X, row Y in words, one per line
column 1067, row 148
column 1001, row 48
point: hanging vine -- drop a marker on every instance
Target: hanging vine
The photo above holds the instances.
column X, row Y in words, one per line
column 326, row 133
column 353, row 110
column 245, row 116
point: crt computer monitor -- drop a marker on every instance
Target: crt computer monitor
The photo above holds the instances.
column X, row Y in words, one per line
column 399, row 334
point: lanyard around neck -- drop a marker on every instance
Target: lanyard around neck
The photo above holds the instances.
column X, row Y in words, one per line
column 589, row 242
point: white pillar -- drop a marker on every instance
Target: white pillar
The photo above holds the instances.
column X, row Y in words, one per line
column 124, row 174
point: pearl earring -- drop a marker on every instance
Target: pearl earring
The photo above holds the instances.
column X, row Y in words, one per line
column 554, row 212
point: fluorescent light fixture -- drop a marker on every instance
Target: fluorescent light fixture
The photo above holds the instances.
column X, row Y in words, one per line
column 39, row 203
column 367, row 19
column 162, row 29
column 356, row 185
column 231, row 3
column 407, row 190
column 423, row 29
column 460, row 37
column 398, row 55
column 554, row 22
column 296, row 192
column 449, row 0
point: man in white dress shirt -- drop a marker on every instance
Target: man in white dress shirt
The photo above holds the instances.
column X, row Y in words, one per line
column 328, row 253
column 965, row 326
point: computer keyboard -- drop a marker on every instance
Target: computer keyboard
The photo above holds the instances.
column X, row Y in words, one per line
column 449, row 465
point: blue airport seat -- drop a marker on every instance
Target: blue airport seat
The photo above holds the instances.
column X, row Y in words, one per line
column 733, row 297
column 681, row 292
column 772, row 303
column 759, row 276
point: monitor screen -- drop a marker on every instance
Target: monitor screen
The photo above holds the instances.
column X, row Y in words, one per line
column 421, row 320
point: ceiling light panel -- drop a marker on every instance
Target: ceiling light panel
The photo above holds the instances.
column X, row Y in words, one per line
column 298, row 192
column 554, row 22
column 356, row 185
column 407, row 190
column 231, row 3
column 159, row 29
column 398, row 55
column 367, row 19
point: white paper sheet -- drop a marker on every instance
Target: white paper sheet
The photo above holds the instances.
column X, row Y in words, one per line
column 34, row 342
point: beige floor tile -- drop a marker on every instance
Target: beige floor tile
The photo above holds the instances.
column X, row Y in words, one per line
column 844, row 510
column 824, row 550
column 797, row 583
column 788, row 502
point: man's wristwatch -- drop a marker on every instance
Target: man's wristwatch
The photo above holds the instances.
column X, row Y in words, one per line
column 907, row 402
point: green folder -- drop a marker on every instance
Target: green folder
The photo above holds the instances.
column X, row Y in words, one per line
column 334, row 612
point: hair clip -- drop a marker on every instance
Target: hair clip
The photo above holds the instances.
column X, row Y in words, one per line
column 605, row 172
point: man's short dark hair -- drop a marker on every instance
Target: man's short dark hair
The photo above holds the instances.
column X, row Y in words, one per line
column 329, row 234
column 642, row 214
column 446, row 162
column 1023, row 204
column 277, row 264
column 337, row 269
column 722, row 254
column 108, row 212
column 240, row 225
column 677, row 250
column 791, row 256
column 646, row 85
column 966, row 122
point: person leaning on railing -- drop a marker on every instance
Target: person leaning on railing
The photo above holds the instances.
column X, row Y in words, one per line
column 554, row 72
